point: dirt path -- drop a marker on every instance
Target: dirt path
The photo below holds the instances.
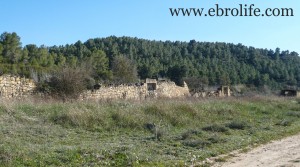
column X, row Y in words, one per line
column 281, row 153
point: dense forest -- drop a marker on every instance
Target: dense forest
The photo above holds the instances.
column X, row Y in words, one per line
column 125, row 59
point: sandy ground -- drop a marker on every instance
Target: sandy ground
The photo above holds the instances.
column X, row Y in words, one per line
column 281, row 153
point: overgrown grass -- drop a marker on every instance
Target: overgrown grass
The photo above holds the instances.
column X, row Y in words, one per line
column 149, row 133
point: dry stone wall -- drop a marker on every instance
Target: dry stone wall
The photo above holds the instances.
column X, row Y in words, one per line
column 171, row 90
column 116, row 92
column 163, row 89
column 13, row 86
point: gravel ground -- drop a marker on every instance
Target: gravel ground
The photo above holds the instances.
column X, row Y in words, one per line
column 281, row 153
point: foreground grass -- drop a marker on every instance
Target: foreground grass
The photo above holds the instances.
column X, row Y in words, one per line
column 150, row 133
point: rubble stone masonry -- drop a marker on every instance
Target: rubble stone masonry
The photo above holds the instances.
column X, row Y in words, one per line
column 163, row 89
column 15, row 87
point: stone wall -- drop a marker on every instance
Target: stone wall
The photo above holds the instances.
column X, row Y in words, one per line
column 171, row 90
column 290, row 92
column 116, row 92
column 163, row 89
column 222, row 91
column 13, row 86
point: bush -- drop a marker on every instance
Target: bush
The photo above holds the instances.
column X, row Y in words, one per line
column 196, row 143
column 239, row 125
column 188, row 134
column 294, row 114
column 215, row 128
column 216, row 139
column 68, row 83
column 284, row 123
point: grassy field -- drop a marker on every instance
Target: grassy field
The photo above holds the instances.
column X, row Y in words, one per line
column 150, row 133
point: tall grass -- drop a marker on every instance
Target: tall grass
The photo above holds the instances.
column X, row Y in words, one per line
column 132, row 133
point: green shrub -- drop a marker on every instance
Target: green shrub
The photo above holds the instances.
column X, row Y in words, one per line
column 216, row 139
column 68, row 83
column 184, row 109
column 196, row 143
column 155, row 110
column 240, row 125
column 294, row 113
column 189, row 134
column 124, row 120
column 215, row 128
column 285, row 123
column 5, row 156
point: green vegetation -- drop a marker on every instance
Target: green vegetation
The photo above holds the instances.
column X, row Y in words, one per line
column 148, row 133
column 121, row 59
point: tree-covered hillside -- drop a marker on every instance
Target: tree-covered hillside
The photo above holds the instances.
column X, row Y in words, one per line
column 112, row 58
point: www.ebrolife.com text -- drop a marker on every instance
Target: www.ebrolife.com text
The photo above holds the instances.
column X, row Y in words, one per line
column 242, row 10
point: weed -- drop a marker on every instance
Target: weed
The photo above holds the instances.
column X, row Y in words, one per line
column 186, row 109
column 155, row 110
column 120, row 159
column 220, row 159
column 240, row 125
column 216, row 139
column 215, row 128
column 115, row 133
column 293, row 114
column 5, row 156
column 196, row 143
column 284, row 123
column 123, row 120
column 150, row 127
column 189, row 134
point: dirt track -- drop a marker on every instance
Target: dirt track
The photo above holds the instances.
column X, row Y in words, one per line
column 281, row 153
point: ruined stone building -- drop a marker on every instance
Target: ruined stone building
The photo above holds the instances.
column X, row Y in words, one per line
column 13, row 86
column 222, row 91
column 151, row 88
column 290, row 92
